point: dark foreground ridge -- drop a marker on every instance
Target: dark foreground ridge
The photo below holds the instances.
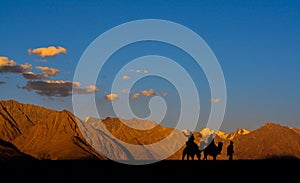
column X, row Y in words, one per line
column 90, row 170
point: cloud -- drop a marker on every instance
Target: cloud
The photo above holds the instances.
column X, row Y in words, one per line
column 111, row 96
column 47, row 52
column 4, row 61
column 7, row 65
column 2, row 82
column 88, row 89
column 50, row 88
column 47, row 72
column 31, row 75
column 135, row 95
column 215, row 100
column 58, row 88
column 125, row 91
column 138, row 71
column 164, row 94
column 148, row 93
column 125, row 77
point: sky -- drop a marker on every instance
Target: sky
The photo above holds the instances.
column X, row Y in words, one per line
column 257, row 44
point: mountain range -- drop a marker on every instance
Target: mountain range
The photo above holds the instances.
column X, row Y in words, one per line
column 33, row 132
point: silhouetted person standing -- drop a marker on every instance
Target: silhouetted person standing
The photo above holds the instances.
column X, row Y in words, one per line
column 230, row 150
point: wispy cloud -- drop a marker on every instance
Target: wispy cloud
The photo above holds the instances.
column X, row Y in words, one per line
column 135, row 95
column 125, row 90
column 111, row 96
column 7, row 65
column 138, row 71
column 125, row 77
column 87, row 90
column 47, row 72
column 147, row 93
column 47, row 51
column 215, row 100
column 164, row 94
column 58, row 88
column 31, row 75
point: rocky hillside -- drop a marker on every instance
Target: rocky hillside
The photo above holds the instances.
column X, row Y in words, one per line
column 111, row 135
column 9, row 152
column 29, row 131
column 43, row 133
column 269, row 141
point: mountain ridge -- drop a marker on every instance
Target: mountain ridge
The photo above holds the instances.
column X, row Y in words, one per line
column 43, row 133
column 49, row 134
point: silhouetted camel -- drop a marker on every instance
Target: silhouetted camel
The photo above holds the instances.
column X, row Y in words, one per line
column 191, row 150
column 212, row 150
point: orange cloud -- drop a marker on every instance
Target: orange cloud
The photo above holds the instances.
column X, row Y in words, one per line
column 164, row 94
column 111, row 96
column 148, row 93
column 91, row 89
column 31, row 75
column 138, row 71
column 135, row 95
column 125, row 91
column 86, row 90
column 215, row 100
column 47, row 72
column 47, row 52
column 125, row 77
column 4, row 61
column 7, row 65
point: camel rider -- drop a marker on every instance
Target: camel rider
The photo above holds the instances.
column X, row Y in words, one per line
column 210, row 140
column 190, row 140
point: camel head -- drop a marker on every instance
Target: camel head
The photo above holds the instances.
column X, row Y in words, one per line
column 219, row 148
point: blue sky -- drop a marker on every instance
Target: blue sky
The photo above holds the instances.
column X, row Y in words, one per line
column 257, row 44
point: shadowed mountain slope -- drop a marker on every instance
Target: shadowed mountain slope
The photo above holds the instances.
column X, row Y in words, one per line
column 9, row 152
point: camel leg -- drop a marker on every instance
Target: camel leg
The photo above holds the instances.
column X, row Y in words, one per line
column 184, row 153
column 205, row 156
column 198, row 156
